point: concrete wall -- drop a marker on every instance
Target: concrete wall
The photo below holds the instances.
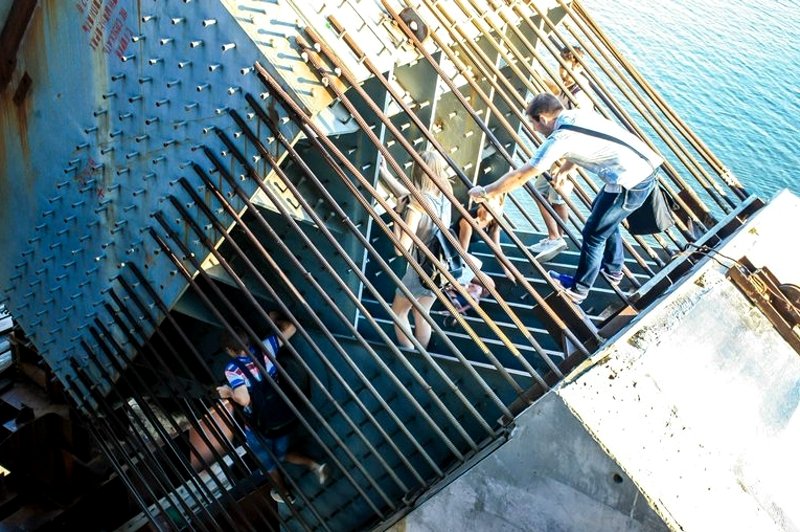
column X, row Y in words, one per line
column 688, row 421
column 551, row 475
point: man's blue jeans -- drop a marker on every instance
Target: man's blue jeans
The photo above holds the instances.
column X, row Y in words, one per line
column 602, row 241
column 259, row 444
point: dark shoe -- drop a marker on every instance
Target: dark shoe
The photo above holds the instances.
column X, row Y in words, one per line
column 613, row 278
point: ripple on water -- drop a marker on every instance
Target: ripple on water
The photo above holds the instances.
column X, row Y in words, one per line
column 728, row 67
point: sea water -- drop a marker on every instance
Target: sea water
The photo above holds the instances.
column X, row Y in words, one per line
column 729, row 68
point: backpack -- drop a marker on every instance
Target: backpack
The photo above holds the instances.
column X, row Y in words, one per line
column 269, row 414
column 447, row 254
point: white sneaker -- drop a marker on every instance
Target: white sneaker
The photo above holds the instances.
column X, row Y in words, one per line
column 549, row 247
column 278, row 498
column 322, row 471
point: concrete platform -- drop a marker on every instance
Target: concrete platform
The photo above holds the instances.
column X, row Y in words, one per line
column 687, row 421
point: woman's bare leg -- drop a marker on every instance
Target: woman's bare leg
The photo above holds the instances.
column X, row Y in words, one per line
column 422, row 329
column 401, row 306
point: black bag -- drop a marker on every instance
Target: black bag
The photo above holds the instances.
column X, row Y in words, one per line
column 441, row 248
column 655, row 214
column 269, row 414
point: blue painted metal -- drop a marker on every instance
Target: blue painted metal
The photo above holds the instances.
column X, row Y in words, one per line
column 123, row 95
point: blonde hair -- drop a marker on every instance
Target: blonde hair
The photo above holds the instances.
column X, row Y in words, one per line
column 438, row 167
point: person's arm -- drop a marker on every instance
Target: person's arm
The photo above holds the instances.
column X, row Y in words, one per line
column 560, row 176
column 285, row 326
column 505, row 184
column 551, row 150
column 495, row 235
column 392, row 183
column 413, row 217
column 239, row 395
column 583, row 101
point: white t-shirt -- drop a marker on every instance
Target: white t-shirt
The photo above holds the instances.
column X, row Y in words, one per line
column 617, row 165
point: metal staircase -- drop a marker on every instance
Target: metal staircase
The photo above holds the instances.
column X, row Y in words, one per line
column 220, row 163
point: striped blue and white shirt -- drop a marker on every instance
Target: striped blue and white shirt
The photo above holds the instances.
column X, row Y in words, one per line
column 234, row 375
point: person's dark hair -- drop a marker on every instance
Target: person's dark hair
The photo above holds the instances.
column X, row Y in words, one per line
column 572, row 55
column 544, row 103
column 234, row 340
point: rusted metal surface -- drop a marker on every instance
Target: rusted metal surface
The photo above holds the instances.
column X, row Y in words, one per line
column 16, row 22
column 778, row 302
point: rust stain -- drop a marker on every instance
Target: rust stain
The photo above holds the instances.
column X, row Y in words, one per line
column 22, row 110
column 34, row 47
column 51, row 8
column 33, row 52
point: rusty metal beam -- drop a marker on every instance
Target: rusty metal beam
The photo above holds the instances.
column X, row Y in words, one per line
column 763, row 290
column 11, row 37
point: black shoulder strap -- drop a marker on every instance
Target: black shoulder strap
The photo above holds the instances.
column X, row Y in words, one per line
column 245, row 370
column 604, row 136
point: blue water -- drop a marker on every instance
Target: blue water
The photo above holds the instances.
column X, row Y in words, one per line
column 730, row 70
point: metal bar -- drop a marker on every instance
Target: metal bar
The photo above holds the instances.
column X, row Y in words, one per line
column 133, row 437
column 17, row 19
column 350, row 78
column 219, row 409
column 290, row 105
column 546, row 308
column 141, row 399
column 315, row 134
column 511, row 131
column 364, row 59
column 657, row 123
column 329, row 397
column 111, row 456
column 398, row 135
column 631, row 97
column 253, row 337
column 665, row 108
column 557, row 79
column 513, row 108
column 621, row 115
column 581, row 172
column 207, row 498
column 408, row 366
column 285, row 377
column 160, row 374
column 756, row 287
column 333, row 204
column 320, row 290
column 320, row 46
column 362, row 239
column 347, row 359
column 449, row 23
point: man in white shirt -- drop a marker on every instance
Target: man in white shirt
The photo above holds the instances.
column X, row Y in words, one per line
column 626, row 165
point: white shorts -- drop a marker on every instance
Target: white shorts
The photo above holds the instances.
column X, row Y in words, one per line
column 542, row 185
